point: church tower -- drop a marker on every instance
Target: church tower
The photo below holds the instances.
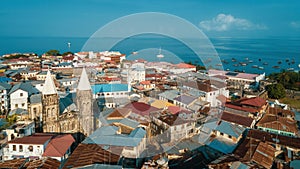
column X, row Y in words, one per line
column 50, row 101
column 84, row 100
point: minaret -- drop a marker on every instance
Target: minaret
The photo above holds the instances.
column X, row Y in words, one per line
column 50, row 101
column 84, row 99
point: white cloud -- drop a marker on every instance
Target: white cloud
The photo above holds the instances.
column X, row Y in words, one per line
column 223, row 22
column 295, row 24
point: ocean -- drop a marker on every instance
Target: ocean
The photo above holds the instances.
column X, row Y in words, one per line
column 251, row 55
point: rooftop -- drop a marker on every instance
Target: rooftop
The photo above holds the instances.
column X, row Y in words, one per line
column 88, row 154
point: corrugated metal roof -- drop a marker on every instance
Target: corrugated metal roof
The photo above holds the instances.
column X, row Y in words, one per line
column 99, row 88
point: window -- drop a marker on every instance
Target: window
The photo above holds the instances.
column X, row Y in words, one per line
column 23, row 104
column 16, row 105
column 21, row 94
column 30, row 148
column 14, row 147
column 20, row 148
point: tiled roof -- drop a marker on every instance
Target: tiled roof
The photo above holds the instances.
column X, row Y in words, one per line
column 280, row 112
column 145, row 82
column 278, row 123
column 45, row 163
column 255, row 101
column 240, row 108
column 140, row 108
column 33, row 139
column 264, row 155
column 185, row 66
column 58, row 146
column 88, row 154
column 13, row 164
column 237, row 119
column 273, row 138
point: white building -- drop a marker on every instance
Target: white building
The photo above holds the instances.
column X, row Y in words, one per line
column 38, row 146
column 20, row 129
column 19, row 95
column 4, row 100
column 133, row 72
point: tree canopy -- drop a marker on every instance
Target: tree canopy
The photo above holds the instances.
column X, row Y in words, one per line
column 276, row 91
column 53, row 52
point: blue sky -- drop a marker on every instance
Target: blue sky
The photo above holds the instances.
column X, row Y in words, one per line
column 81, row 18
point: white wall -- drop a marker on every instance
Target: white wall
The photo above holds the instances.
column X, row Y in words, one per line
column 21, row 101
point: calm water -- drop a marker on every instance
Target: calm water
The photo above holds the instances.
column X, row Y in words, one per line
column 270, row 51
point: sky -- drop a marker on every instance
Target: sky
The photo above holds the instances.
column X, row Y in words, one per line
column 81, row 18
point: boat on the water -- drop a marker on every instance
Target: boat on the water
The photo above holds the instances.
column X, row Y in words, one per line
column 265, row 63
column 290, row 69
column 254, row 66
column 243, row 64
column 134, row 52
column 276, row 67
column 261, row 68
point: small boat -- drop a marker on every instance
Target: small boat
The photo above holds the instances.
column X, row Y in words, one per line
column 250, row 61
column 236, row 65
column 224, row 61
column 261, row 68
column 290, row 69
column 254, row 66
column 134, row 52
column 159, row 54
column 276, row 67
column 265, row 63
column 243, row 64
column 233, row 60
column 219, row 64
column 246, row 58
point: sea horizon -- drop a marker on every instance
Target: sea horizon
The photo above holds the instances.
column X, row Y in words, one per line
column 263, row 52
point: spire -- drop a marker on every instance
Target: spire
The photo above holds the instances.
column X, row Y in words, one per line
column 49, row 86
column 84, row 83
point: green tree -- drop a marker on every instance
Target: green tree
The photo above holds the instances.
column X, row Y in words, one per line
column 276, row 91
column 53, row 52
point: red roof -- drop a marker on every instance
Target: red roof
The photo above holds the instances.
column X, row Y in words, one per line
column 59, row 145
column 145, row 82
column 141, row 108
column 33, row 139
column 255, row 101
column 185, row 66
column 236, row 107
column 237, row 119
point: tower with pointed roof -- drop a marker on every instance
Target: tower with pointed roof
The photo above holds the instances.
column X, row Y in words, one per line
column 84, row 99
column 50, row 101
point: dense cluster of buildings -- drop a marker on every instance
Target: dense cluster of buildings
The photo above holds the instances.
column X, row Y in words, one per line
column 93, row 110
